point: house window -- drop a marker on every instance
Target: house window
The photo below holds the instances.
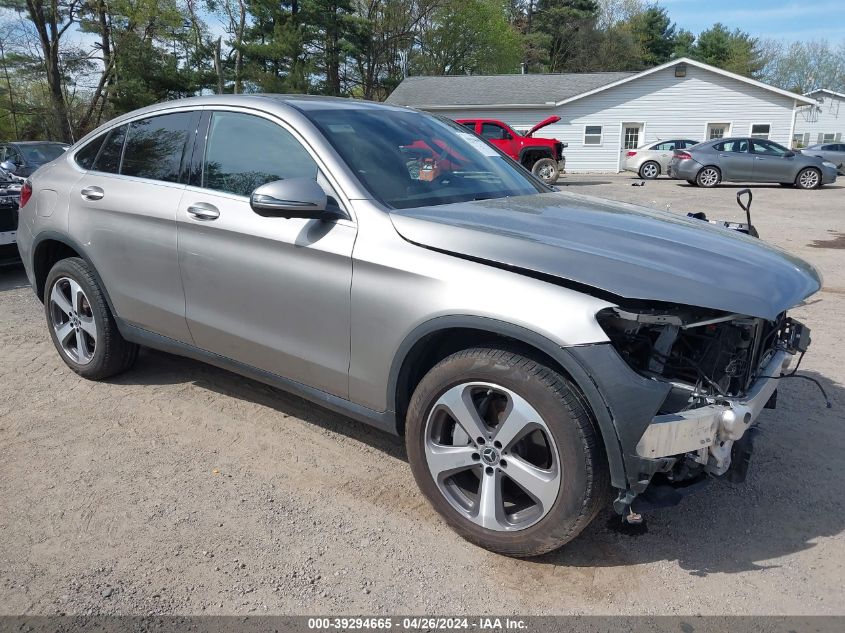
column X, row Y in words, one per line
column 592, row 135
column 761, row 130
column 798, row 140
column 827, row 138
column 717, row 130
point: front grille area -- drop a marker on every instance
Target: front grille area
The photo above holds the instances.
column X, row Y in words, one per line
column 8, row 217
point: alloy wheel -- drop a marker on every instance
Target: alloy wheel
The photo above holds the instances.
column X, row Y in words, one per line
column 809, row 179
column 649, row 170
column 492, row 456
column 709, row 177
column 73, row 321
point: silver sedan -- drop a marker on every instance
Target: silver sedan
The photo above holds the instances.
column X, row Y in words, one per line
column 749, row 160
column 831, row 152
column 652, row 159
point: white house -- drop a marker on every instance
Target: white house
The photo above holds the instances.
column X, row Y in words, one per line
column 602, row 114
column 823, row 121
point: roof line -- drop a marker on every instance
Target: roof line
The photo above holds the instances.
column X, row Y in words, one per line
column 830, row 92
column 697, row 64
column 486, row 106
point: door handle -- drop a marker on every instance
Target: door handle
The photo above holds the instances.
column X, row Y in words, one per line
column 204, row 211
column 92, row 193
column 759, row 158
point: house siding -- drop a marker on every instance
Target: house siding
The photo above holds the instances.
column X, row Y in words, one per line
column 667, row 106
column 828, row 117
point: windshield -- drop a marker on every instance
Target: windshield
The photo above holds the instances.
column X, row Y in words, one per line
column 40, row 154
column 408, row 159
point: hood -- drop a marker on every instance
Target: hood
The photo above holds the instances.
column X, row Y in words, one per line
column 543, row 123
column 628, row 251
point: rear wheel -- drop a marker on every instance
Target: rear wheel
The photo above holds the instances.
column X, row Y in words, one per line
column 809, row 178
column 81, row 324
column 546, row 170
column 708, row 177
column 649, row 170
column 505, row 450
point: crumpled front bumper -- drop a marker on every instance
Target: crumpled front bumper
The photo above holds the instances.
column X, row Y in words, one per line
column 711, row 426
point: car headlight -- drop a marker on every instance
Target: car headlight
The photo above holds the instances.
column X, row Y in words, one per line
column 829, row 165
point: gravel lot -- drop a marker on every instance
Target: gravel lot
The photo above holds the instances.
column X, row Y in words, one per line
column 180, row 488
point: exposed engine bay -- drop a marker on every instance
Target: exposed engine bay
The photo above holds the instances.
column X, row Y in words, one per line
column 713, row 361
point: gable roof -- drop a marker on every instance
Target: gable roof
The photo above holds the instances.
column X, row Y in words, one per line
column 826, row 91
column 536, row 91
column 498, row 90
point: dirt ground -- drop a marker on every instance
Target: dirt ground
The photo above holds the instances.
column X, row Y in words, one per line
column 180, row 488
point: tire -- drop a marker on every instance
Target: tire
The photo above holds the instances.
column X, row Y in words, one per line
column 649, row 170
column 81, row 325
column 693, row 183
column 808, row 178
column 546, row 170
column 570, row 479
column 708, row 177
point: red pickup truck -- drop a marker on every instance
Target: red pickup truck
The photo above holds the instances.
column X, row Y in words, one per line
column 542, row 156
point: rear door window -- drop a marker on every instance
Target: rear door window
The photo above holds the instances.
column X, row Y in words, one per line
column 155, row 147
column 108, row 160
column 667, row 146
column 738, row 146
column 87, row 155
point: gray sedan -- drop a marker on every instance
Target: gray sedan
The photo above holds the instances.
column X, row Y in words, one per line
column 832, row 152
column 749, row 160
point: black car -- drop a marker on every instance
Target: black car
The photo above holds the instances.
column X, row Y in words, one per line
column 30, row 155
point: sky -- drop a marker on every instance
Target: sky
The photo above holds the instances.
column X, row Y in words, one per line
column 786, row 20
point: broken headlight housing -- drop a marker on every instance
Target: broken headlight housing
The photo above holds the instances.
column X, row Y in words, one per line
column 706, row 355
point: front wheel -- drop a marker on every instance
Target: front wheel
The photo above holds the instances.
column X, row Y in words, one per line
column 546, row 170
column 506, row 451
column 708, row 177
column 809, row 178
column 81, row 325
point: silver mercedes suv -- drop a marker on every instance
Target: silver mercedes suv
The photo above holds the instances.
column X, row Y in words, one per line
column 544, row 354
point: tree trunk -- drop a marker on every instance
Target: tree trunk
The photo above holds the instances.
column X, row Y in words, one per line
column 12, row 109
column 50, row 47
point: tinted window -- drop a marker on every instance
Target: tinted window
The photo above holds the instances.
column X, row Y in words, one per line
column 244, row 152
column 492, row 131
column 154, row 147
column 739, row 145
column 470, row 125
column 108, row 160
column 687, row 143
column 768, row 148
column 86, row 156
column 41, row 153
column 830, row 148
column 668, row 146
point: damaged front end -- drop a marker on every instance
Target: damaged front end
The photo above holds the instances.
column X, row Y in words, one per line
column 721, row 370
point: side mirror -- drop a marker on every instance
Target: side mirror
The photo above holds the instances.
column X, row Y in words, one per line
column 789, row 155
column 292, row 198
column 9, row 166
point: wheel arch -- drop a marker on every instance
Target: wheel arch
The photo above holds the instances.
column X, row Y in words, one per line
column 51, row 247
column 534, row 153
column 440, row 337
